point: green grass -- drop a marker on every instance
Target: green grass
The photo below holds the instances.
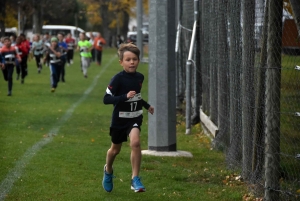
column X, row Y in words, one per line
column 70, row 167
column 290, row 138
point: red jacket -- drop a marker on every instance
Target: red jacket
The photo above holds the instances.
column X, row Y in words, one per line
column 26, row 47
column 22, row 49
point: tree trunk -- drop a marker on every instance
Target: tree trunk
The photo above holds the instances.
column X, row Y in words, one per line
column 2, row 18
column 105, row 22
column 296, row 10
column 37, row 17
column 124, row 28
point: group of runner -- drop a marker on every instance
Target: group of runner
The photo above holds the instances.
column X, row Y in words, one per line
column 52, row 51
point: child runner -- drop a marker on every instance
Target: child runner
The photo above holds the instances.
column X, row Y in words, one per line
column 85, row 53
column 124, row 92
column 54, row 52
column 26, row 44
column 98, row 45
column 20, row 49
column 9, row 55
column 37, row 49
column 71, row 46
column 46, row 41
column 63, row 57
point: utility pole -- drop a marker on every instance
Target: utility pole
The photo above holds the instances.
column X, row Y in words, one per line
column 139, row 5
column 162, row 95
column 19, row 18
column 162, row 33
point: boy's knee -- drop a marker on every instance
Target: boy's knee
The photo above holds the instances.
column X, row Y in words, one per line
column 114, row 151
column 135, row 144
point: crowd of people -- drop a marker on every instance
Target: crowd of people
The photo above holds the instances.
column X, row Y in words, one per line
column 53, row 51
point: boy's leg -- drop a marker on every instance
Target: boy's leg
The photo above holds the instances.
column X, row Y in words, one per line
column 136, row 158
column 113, row 151
column 84, row 61
column 53, row 75
column 38, row 61
column 68, row 56
column 100, row 57
column 136, row 155
column 108, row 176
column 71, row 56
column 23, row 68
column 10, row 70
column 5, row 74
column 63, row 71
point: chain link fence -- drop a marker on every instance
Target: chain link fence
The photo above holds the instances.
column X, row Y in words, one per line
column 245, row 87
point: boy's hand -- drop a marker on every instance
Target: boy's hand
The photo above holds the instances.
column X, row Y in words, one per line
column 3, row 66
column 131, row 94
column 151, row 110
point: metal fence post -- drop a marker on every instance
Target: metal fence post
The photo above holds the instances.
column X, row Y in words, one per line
column 273, row 84
column 235, row 59
column 222, row 138
column 248, row 16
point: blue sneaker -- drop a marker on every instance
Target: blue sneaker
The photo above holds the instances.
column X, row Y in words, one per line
column 107, row 181
column 137, row 185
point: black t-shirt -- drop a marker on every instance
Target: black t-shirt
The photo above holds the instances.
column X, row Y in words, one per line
column 116, row 93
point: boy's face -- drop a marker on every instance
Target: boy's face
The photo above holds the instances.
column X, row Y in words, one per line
column 130, row 62
column 60, row 37
column 81, row 36
column 7, row 43
column 54, row 43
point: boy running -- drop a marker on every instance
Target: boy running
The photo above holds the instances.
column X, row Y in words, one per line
column 9, row 55
column 85, row 53
column 71, row 46
column 25, row 43
column 37, row 49
column 98, row 45
column 63, row 57
column 124, row 92
column 54, row 52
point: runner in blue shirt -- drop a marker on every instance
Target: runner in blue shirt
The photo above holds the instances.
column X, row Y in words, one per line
column 63, row 45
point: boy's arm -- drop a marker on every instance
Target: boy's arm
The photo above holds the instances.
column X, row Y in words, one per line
column 148, row 107
column 145, row 104
column 17, row 55
column 109, row 97
column 103, row 42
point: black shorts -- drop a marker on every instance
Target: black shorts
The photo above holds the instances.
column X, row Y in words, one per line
column 120, row 135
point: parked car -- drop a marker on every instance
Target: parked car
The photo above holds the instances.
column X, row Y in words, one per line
column 132, row 37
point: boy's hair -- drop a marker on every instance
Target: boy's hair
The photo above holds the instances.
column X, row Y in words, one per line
column 6, row 38
column 128, row 47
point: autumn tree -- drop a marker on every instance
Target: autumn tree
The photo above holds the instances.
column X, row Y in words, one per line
column 111, row 17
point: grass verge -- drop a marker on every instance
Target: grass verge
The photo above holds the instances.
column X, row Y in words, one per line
column 70, row 166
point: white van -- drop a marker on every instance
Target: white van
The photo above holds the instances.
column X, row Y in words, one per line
column 53, row 30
